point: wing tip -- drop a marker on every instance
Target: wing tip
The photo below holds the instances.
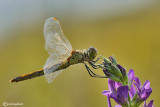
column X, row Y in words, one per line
column 51, row 20
column 55, row 19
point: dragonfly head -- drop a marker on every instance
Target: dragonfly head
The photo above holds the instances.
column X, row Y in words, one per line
column 92, row 53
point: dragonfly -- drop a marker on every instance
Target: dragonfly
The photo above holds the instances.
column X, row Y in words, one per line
column 61, row 54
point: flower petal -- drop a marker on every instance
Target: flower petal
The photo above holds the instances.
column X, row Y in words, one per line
column 117, row 106
column 111, row 85
column 118, row 84
column 122, row 94
column 138, row 82
column 132, row 91
column 145, row 94
column 144, row 105
column 131, row 74
column 150, row 104
column 109, row 101
column 114, row 96
column 146, row 85
column 106, row 92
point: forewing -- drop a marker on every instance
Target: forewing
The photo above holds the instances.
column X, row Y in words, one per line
column 58, row 47
column 55, row 40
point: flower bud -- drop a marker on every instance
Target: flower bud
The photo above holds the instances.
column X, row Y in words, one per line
column 110, row 75
column 106, row 60
column 116, row 71
column 124, row 73
column 113, row 60
column 107, row 66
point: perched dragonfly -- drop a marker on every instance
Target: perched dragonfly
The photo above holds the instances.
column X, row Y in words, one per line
column 61, row 54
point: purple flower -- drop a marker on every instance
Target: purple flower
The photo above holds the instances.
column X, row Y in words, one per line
column 140, row 93
column 144, row 91
column 150, row 104
column 120, row 95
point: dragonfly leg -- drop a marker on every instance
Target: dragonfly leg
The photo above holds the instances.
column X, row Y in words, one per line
column 89, row 71
column 95, row 66
column 97, row 59
column 92, row 74
column 92, row 63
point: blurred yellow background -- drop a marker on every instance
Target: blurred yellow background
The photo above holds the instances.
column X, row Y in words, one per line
column 133, row 37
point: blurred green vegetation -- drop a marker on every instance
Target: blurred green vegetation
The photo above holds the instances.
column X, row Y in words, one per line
column 133, row 39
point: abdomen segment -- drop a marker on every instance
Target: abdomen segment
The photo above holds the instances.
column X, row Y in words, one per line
column 28, row 76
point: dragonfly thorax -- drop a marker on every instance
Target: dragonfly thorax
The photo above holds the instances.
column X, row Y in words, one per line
column 80, row 57
column 76, row 57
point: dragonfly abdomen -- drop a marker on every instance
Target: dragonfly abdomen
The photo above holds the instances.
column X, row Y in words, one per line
column 28, row 76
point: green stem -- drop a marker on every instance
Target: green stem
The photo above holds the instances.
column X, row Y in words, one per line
column 129, row 100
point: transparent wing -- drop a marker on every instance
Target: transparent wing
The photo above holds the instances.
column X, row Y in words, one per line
column 50, row 66
column 58, row 47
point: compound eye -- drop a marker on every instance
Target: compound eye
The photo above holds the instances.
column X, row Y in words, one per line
column 92, row 52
